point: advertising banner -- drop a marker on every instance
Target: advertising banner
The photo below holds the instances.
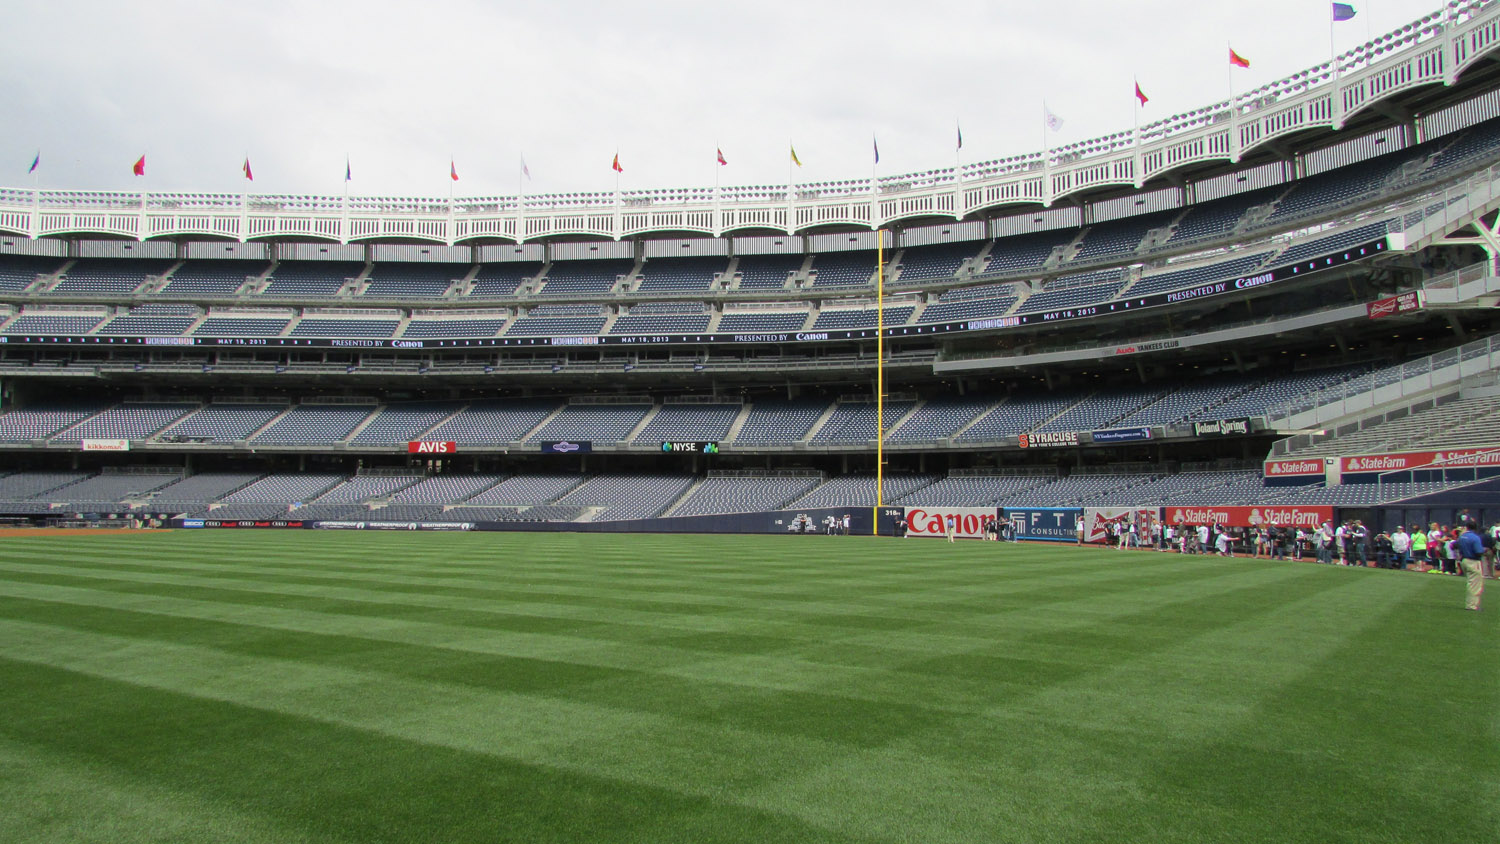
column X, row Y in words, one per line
column 968, row 522
column 568, row 447
column 1303, row 516
column 1121, row 435
column 691, row 447
column 1049, row 439
column 1294, row 468
column 431, row 448
column 1452, row 458
column 1398, row 304
column 1053, row 524
column 1095, row 519
column 1236, row 427
column 105, row 445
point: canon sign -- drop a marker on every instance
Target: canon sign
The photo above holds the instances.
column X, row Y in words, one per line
column 968, row 522
column 431, row 448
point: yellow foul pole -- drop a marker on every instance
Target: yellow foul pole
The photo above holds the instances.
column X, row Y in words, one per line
column 879, row 380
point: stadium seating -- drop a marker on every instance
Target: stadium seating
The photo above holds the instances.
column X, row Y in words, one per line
column 317, row 327
column 855, row 421
column 126, row 422
column 627, row 496
column 412, row 281
column 267, row 326
column 310, row 279
column 780, row 421
column 689, row 422
column 108, row 276
column 224, row 422
column 43, row 420
column 446, row 489
column 18, row 272
column 679, row 275
column 766, row 272
column 971, row 490
column 524, row 490
column 843, row 269
column 314, row 423
column 494, row 281
column 33, row 323
column 400, row 423
column 859, row 490
column 761, row 323
column 211, row 277
column 584, row 278
column 1017, row 416
column 484, row 422
column 595, row 422
column 362, row 488
column 921, row 264
column 743, row 495
column 939, row 419
column 284, row 489
column 833, row 320
column 453, row 328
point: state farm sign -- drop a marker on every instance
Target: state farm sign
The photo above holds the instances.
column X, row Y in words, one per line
column 431, row 448
column 1421, row 460
column 968, row 522
column 1307, row 516
column 1286, row 468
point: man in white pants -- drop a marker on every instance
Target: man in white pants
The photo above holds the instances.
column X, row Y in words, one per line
column 949, row 523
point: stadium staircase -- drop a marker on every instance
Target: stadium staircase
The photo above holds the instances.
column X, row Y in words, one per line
column 641, row 425
column 819, row 423
column 739, row 422
column 686, row 494
column 258, row 284
column 269, row 422
column 356, row 286
column 101, row 412
column 891, row 428
column 526, row 437
column 365, row 423
column 154, row 284
column 45, row 283
column 441, row 422
column 972, row 422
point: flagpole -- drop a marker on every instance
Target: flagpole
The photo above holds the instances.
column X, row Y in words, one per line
column 879, row 381
column 789, row 148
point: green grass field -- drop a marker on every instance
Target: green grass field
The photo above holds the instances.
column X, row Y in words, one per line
column 304, row 686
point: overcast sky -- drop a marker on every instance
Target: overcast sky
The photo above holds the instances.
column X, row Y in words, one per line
column 399, row 87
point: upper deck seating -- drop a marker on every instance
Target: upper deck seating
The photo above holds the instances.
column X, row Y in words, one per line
column 18, row 272
column 392, row 280
column 494, row 421
column 695, row 422
column 595, row 422
column 109, row 276
column 934, row 263
column 680, row 275
column 780, row 421
column 126, row 422
column 311, row 279
column 766, row 272
column 843, row 269
column 584, row 278
column 763, row 322
column 315, row 423
column 216, row 277
column 495, row 281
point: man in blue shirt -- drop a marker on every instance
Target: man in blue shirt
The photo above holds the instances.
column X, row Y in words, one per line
column 1470, row 550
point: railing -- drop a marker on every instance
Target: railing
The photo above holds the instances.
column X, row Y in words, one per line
column 1433, row 49
column 1389, row 384
column 1469, row 461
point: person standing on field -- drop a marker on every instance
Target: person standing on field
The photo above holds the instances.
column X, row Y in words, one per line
column 949, row 524
column 1470, row 549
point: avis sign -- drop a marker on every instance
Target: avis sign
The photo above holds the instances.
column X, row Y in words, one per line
column 431, row 448
column 968, row 522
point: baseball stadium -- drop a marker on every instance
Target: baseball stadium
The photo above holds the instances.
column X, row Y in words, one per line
column 853, row 511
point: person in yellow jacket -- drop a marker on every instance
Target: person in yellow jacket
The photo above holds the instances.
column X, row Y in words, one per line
column 1419, row 547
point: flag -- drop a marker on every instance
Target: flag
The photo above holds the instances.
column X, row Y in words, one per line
column 348, row 172
column 616, row 165
column 876, row 142
column 525, row 171
column 452, row 170
column 1053, row 121
column 1343, row 11
column 720, row 153
column 1237, row 60
column 960, row 135
column 795, row 160
column 140, row 167
column 35, row 162
column 249, row 177
column 1141, row 95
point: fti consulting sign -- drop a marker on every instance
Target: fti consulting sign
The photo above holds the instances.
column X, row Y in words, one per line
column 1055, row 524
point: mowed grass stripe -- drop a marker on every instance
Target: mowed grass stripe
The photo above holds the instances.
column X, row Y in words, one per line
column 1050, row 696
column 1009, row 592
column 335, row 783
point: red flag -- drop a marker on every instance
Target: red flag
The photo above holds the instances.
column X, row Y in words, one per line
column 721, row 156
column 1237, row 60
column 249, row 177
column 1141, row 95
column 616, row 166
column 140, row 167
column 452, row 170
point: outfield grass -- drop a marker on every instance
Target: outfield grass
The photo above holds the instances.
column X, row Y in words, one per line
column 304, row 686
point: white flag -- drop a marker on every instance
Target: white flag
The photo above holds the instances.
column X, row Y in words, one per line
column 1054, row 122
